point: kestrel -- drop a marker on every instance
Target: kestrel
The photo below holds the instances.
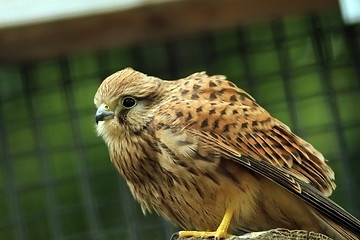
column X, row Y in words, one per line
column 201, row 152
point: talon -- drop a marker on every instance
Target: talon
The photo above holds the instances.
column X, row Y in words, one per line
column 220, row 233
column 203, row 234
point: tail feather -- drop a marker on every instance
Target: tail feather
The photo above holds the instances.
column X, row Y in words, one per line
column 334, row 230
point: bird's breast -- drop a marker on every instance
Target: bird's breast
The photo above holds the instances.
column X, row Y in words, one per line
column 191, row 194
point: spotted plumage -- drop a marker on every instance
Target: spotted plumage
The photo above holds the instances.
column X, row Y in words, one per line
column 205, row 155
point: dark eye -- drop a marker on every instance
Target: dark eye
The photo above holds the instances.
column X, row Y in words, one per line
column 128, row 102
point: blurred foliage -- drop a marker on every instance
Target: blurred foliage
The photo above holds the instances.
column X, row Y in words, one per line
column 56, row 179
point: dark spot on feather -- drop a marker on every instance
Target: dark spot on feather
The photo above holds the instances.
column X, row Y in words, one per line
column 286, row 143
column 181, row 163
column 226, row 128
column 192, row 171
column 194, row 96
column 221, row 91
column 184, row 92
column 286, row 157
column 265, row 121
column 170, row 183
column 159, row 126
column 173, row 176
column 235, row 112
column 212, row 177
column 199, row 191
column 212, row 84
column 212, row 96
column 183, row 182
column 248, row 136
column 212, row 111
column 186, row 82
column 199, row 109
column 196, row 87
column 183, row 143
column 188, row 116
column 257, row 145
column 223, row 138
column 146, row 174
column 179, row 114
column 215, row 124
column 152, row 145
column 214, row 135
column 233, row 98
column 244, row 125
column 242, row 97
column 162, row 192
column 254, row 123
column 295, row 153
column 213, row 103
column 205, row 123
column 223, row 112
column 275, row 145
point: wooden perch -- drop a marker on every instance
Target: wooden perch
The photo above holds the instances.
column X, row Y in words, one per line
column 273, row 234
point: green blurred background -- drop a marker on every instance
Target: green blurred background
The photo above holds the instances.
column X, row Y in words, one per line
column 56, row 179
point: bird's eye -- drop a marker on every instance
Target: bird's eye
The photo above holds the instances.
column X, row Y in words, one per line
column 128, row 102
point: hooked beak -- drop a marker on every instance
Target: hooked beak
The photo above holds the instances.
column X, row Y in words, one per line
column 103, row 113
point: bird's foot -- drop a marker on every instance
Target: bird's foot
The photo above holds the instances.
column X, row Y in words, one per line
column 219, row 234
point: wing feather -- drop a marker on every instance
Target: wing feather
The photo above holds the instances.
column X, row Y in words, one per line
column 312, row 196
column 238, row 129
column 244, row 134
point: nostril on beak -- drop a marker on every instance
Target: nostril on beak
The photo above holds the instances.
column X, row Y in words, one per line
column 102, row 113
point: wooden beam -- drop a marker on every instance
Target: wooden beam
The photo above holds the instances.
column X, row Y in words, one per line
column 148, row 22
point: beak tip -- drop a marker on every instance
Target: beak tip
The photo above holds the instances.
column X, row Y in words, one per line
column 98, row 118
column 102, row 114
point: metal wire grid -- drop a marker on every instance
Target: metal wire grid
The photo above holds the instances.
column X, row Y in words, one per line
column 56, row 181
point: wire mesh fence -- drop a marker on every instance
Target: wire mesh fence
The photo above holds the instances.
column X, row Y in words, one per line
column 56, row 180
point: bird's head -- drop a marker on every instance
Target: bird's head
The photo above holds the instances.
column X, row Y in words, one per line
column 126, row 102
